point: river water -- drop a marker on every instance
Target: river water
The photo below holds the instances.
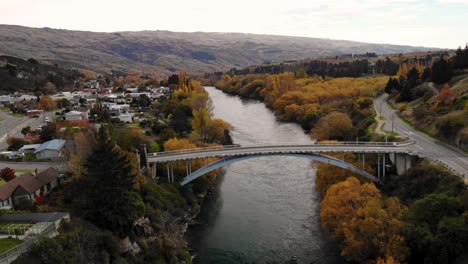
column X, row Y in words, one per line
column 265, row 210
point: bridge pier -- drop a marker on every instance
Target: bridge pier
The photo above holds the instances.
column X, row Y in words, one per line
column 403, row 162
column 170, row 172
column 153, row 171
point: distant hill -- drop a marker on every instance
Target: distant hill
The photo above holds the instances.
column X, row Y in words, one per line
column 19, row 75
column 165, row 52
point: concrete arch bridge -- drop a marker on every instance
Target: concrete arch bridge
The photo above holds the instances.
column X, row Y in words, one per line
column 400, row 155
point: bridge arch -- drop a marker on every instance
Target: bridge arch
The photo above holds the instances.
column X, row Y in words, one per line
column 316, row 157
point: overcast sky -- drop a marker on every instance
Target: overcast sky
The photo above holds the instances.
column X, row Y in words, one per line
column 430, row 23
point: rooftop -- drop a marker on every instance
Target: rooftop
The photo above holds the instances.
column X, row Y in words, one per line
column 55, row 144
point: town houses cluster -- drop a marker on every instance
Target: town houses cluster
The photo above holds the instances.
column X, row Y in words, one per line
column 71, row 110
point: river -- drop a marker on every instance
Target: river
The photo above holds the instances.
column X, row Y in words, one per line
column 265, row 210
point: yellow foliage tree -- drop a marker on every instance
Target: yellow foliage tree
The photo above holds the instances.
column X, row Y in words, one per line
column 341, row 203
column 375, row 231
column 334, row 125
column 201, row 121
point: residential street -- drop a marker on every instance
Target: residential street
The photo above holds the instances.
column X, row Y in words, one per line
column 426, row 145
column 31, row 165
column 12, row 125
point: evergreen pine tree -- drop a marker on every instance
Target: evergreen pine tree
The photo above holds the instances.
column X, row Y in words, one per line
column 107, row 197
column 441, row 71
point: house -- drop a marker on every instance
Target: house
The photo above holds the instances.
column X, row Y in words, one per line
column 27, row 187
column 27, row 97
column 29, row 148
column 34, row 113
column 5, row 99
column 115, row 109
column 126, row 117
column 50, row 150
column 76, row 115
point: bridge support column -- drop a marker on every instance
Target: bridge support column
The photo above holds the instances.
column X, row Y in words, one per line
column 168, row 173
column 187, row 167
column 153, row 171
column 378, row 166
column 172, row 172
column 384, row 167
column 363, row 161
column 404, row 162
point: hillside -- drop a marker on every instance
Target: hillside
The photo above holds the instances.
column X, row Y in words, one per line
column 164, row 51
column 19, row 75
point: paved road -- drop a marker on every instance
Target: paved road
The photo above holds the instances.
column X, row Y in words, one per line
column 31, row 165
column 12, row 125
column 426, row 145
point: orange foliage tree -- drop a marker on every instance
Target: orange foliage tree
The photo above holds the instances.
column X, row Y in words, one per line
column 46, row 103
column 446, row 97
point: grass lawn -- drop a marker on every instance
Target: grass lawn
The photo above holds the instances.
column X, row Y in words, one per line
column 2, row 182
column 24, row 170
column 6, row 110
column 8, row 243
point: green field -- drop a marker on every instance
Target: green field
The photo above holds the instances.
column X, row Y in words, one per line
column 9, row 243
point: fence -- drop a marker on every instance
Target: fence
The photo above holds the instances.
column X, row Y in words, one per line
column 12, row 254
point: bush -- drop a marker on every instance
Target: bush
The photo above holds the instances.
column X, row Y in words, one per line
column 449, row 126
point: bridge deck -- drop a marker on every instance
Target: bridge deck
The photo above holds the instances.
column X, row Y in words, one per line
column 236, row 150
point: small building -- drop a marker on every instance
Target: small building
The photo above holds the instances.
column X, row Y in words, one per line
column 5, row 99
column 34, row 113
column 76, row 115
column 26, row 187
column 126, row 117
column 50, row 150
column 29, row 148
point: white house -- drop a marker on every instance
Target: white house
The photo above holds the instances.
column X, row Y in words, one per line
column 50, row 150
column 5, row 99
column 126, row 117
column 29, row 148
column 115, row 109
column 76, row 115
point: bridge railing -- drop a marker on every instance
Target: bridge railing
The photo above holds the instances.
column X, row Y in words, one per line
column 337, row 143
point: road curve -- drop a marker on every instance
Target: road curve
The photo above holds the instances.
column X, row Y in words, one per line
column 447, row 155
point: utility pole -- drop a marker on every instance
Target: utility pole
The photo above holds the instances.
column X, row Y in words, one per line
column 393, row 117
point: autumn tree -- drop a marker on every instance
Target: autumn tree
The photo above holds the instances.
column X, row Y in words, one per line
column 16, row 142
column 341, row 202
column 374, row 232
column 446, row 97
column 46, row 103
column 128, row 138
column 7, row 174
column 368, row 226
column 334, row 125
column 201, row 121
